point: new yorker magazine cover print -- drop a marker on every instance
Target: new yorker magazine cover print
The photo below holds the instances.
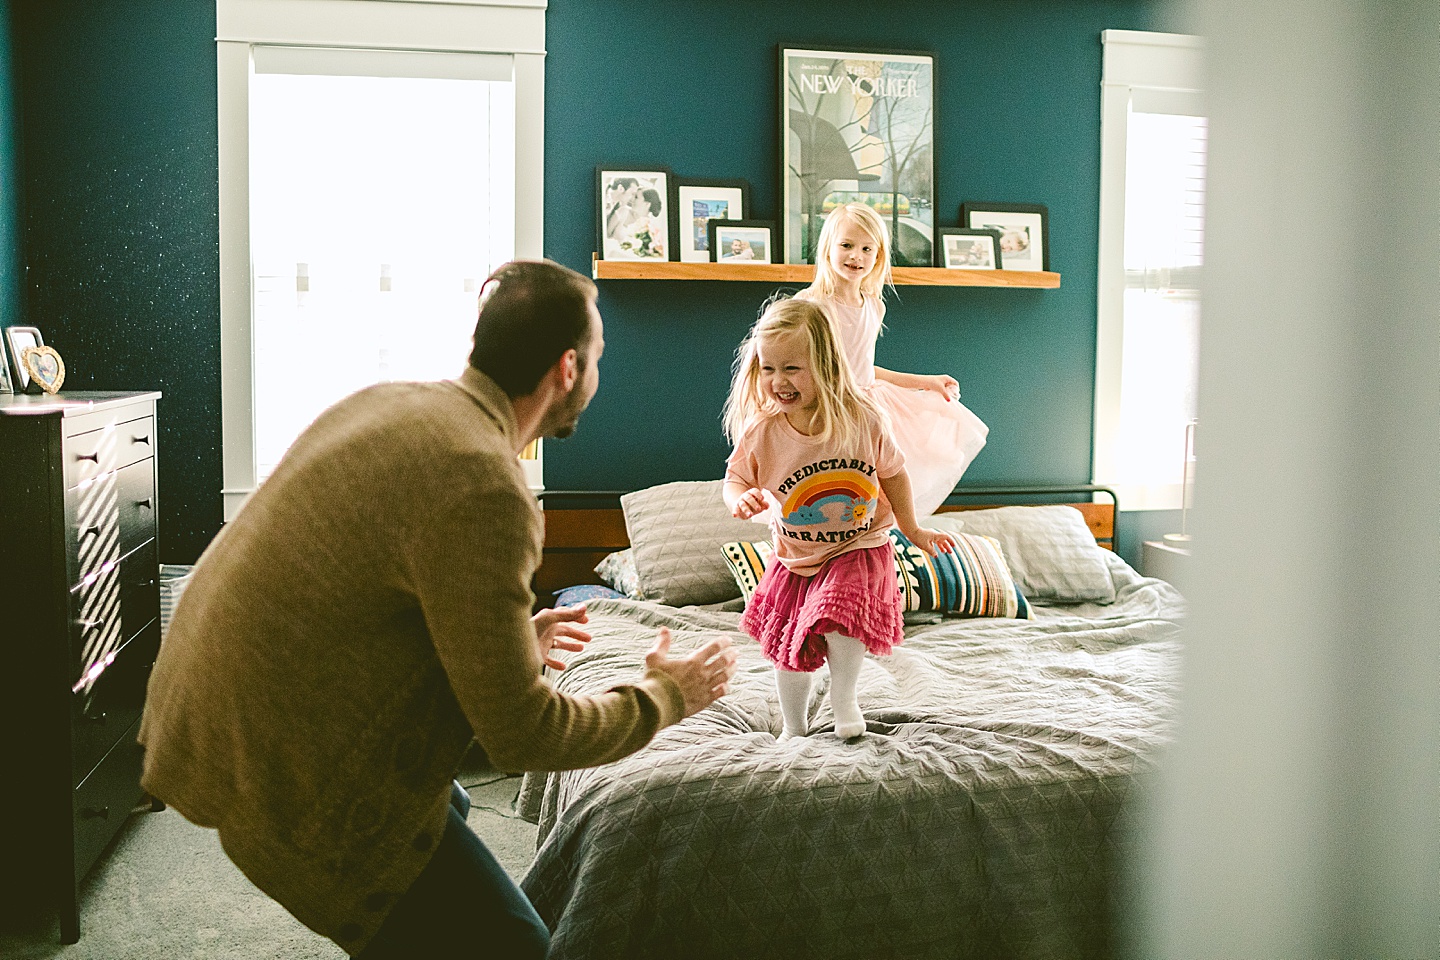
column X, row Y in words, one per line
column 858, row 127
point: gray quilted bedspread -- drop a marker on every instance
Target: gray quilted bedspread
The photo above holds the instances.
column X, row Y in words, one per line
column 986, row 812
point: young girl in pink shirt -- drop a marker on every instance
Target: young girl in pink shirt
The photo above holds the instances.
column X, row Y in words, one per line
column 812, row 455
column 937, row 433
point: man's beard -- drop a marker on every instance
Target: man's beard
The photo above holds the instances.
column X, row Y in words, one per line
column 561, row 420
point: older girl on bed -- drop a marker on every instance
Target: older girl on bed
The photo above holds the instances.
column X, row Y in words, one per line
column 812, row 455
column 937, row 433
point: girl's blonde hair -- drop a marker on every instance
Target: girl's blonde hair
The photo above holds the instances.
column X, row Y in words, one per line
column 844, row 411
column 867, row 220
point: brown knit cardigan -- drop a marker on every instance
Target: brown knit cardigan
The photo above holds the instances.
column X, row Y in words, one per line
column 344, row 638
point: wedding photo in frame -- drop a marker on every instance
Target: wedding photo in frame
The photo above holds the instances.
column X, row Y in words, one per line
column 857, row 126
column 742, row 241
column 961, row 248
column 694, row 202
column 633, row 213
column 1024, row 230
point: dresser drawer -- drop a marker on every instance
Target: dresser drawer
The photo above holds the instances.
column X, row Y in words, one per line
column 135, row 441
column 135, row 499
column 112, row 704
column 105, row 798
column 111, row 608
column 113, row 445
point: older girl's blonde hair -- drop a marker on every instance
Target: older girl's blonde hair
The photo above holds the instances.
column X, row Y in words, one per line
column 873, row 225
column 844, row 412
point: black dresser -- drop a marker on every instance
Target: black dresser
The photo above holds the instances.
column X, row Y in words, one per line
column 79, row 631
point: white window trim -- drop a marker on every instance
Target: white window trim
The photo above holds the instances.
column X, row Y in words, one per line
column 512, row 27
column 1150, row 65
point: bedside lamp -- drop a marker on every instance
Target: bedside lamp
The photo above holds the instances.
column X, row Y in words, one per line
column 1182, row 538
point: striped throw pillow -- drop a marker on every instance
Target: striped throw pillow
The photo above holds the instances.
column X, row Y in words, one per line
column 973, row 581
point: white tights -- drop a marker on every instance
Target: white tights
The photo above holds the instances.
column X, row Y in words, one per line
column 845, row 654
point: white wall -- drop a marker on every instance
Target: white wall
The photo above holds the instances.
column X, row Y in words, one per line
column 1299, row 814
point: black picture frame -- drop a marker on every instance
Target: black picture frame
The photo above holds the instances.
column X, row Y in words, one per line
column 989, row 257
column 1009, row 219
column 633, row 236
column 723, row 232
column 836, row 141
column 707, row 199
column 17, row 339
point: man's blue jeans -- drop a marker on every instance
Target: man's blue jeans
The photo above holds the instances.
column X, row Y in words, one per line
column 462, row 905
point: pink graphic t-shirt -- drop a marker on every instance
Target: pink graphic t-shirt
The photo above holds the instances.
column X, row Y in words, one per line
column 828, row 497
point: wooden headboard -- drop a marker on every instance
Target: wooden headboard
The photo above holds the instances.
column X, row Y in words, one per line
column 579, row 537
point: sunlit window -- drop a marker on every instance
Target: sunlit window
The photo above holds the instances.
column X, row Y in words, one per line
column 1164, row 232
column 1152, row 231
column 378, row 205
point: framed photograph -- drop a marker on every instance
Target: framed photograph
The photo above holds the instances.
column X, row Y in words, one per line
column 857, row 126
column 961, row 248
column 740, row 241
column 696, row 202
column 17, row 340
column 633, row 213
column 1023, row 227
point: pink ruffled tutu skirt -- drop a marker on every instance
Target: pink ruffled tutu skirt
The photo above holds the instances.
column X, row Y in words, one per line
column 855, row 593
column 939, row 438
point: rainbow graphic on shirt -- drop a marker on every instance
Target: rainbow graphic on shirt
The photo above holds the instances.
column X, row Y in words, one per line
column 833, row 496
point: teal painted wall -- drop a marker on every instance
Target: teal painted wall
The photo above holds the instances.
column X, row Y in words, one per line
column 694, row 87
column 121, row 226
column 12, row 295
column 117, row 162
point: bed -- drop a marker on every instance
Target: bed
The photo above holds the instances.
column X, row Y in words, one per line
column 986, row 812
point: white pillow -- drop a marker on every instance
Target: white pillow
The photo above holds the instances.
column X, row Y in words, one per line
column 677, row 531
column 1052, row 553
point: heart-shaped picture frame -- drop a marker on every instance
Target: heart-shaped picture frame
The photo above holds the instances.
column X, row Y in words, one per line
column 45, row 367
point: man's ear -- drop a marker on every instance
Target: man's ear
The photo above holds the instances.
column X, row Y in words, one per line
column 567, row 368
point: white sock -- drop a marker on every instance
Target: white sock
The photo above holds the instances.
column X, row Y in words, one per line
column 794, row 688
column 846, row 656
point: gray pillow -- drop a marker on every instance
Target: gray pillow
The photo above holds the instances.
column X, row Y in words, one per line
column 677, row 531
column 1052, row 553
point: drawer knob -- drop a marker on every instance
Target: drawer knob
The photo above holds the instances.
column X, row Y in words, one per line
column 145, row 440
column 91, row 624
column 99, row 717
column 94, row 457
column 90, row 531
column 95, row 813
column 144, row 503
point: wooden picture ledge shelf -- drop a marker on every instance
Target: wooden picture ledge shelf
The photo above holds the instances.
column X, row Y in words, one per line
column 804, row 273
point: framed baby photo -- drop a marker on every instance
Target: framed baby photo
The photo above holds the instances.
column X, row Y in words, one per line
column 17, row 341
column 961, row 248
column 742, row 241
column 633, row 213
column 696, row 202
column 1023, row 227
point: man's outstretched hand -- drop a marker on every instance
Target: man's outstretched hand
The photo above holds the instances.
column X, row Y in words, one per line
column 703, row 676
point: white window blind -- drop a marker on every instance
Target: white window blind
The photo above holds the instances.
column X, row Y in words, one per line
column 381, row 197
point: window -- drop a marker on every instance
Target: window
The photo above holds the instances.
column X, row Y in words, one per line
column 372, row 165
column 1152, row 195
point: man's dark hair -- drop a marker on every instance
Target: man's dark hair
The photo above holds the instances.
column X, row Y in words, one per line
column 531, row 312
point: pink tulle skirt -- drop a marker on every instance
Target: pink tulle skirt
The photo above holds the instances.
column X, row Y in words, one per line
column 855, row 593
column 939, row 438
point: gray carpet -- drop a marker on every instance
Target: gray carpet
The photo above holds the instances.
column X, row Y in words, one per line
column 165, row 889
